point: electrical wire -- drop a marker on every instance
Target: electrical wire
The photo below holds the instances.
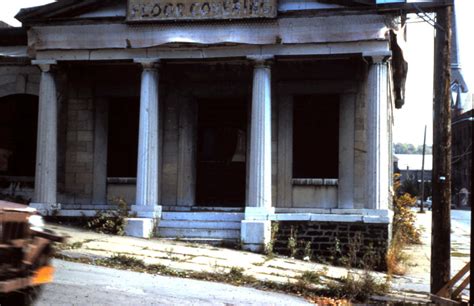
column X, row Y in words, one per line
column 430, row 20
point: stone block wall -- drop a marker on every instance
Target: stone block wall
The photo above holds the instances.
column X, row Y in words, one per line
column 360, row 147
column 79, row 148
column 334, row 242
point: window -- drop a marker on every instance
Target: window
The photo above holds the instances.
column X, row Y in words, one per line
column 316, row 136
column 123, row 138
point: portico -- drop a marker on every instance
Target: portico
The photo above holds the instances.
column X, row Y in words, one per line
column 214, row 129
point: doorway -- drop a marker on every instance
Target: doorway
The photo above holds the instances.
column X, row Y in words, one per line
column 221, row 152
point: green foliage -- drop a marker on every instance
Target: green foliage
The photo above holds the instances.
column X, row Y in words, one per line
column 404, row 219
column 404, row 230
column 125, row 261
column 270, row 245
column 410, row 187
column 110, row 222
column 358, row 287
column 311, row 277
column 408, row 148
column 293, row 242
column 308, row 252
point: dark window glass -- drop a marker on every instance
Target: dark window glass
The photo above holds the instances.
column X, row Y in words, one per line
column 123, row 138
column 316, row 136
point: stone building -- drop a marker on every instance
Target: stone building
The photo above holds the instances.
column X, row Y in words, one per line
column 461, row 162
column 213, row 118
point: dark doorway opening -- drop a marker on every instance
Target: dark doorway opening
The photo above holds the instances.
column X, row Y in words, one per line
column 221, row 153
column 123, row 137
column 18, row 132
column 316, row 136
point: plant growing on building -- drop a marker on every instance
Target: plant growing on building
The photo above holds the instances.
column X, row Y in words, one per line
column 308, row 253
column 293, row 242
column 113, row 222
column 269, row 247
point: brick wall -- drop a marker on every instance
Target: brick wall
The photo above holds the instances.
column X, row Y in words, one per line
column 334, row 242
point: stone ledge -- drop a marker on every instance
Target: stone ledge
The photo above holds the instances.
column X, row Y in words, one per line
column 140, row 227
column 314, row 182
column 384, row 216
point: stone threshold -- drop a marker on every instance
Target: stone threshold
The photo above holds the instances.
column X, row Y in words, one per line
column 364, row 216
column 281, row 214
column 314, row 182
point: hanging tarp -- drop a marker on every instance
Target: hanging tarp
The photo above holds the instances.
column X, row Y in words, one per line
column 321, row 29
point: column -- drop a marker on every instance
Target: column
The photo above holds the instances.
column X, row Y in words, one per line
column 345, row 189
column 47, row 145
column 146, row 206
column 187, row 141
column 99, row 189
column 256, row 228
column 285, row 150
column 377, row 135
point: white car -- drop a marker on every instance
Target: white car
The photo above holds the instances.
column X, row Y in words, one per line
column 426, row 204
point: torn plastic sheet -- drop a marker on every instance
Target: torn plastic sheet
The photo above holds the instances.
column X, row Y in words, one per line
column 15, row 51
column 320, row 29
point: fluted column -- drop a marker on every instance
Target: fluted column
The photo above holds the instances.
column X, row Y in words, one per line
column 47, row 145
column 255, row 231
column 147, row 196
column 260, row 170
column 377, row 136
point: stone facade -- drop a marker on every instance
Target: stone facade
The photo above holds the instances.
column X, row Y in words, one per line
column 334, row 241
column 260, row 84
column 79, row 145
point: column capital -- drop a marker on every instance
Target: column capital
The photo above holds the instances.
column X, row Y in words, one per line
column 264, row 60
column 148, row 63
column 377, row 58
column 45, row 65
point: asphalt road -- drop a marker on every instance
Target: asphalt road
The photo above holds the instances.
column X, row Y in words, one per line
column 80, row 284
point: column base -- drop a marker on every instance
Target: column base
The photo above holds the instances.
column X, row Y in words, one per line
column 255, row 235
column 46, row 209
column 140, row 227
column 259, row 213
column 145, row 211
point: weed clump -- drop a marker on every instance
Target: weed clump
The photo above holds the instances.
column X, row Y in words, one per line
column 358, row 287
column 404, row 230
column 111, row 222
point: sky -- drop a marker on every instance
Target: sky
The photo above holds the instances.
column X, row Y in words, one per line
column 411, row 119
column 417, row 112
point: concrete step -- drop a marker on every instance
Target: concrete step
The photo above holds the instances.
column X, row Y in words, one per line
column 223, row 225
column 202, row 216
column 230, row 243
column 198, row 233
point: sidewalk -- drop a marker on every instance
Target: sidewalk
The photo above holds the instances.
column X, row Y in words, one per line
column 417, row 277
column 183, row 256
column 190, row 257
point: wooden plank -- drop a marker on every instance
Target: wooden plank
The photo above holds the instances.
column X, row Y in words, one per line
column 443, row 301
column 449, row 285
column 461, row 287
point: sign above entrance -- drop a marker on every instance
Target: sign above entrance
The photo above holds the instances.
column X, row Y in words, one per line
column 159, row 10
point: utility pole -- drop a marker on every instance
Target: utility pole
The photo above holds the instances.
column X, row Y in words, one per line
column 422, row 200
column 441, row 215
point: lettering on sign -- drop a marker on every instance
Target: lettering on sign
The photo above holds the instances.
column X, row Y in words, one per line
column 150, row 10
